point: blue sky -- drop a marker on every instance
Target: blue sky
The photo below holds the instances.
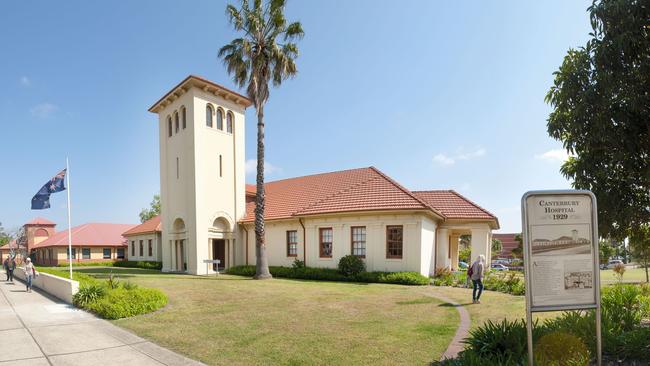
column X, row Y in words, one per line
column 438, row 95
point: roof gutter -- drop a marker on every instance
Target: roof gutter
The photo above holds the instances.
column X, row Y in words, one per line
column 304, row 241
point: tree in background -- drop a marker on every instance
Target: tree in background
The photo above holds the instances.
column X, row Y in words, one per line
column 497, row 246
column 606, row 250
column 265, row 53
column 640, row 246
column 152, row 211
column 601, row 113
column 4, row 236
column 518, row 252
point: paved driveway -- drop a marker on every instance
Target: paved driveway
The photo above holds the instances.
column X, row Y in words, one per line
column 36, row 329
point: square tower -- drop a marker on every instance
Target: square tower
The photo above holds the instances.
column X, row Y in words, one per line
column 202, row 171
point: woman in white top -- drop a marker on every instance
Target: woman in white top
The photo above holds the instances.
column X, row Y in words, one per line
column 30, row 271
column 478, row 272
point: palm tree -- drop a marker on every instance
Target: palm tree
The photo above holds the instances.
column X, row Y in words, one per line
column 266, row 52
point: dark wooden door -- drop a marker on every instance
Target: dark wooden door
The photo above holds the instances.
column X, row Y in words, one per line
column 219, row 252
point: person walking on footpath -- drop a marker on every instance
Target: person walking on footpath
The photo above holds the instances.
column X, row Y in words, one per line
column 30, row 272
column 11, row 266
column 476, row 273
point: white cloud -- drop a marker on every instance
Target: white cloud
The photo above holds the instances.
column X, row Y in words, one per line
column 555, row 155
column 445, row 159
column 44, row 110
column 24, row 81
column 251, row 167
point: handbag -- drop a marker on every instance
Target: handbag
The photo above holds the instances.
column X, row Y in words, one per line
column 470, row 271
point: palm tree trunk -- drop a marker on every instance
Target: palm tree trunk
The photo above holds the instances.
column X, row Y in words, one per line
column 262, row 263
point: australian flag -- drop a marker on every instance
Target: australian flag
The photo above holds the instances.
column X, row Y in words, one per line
column 42, row 198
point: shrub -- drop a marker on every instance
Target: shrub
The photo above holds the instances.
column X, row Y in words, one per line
column 561, row 349
column 298, row 264
column 138, row 264
column 129, row 285
column 112, row 282
column 499, row 341
column 122, row 303
column 329, row 274
column 624, row 306
column 619, row 271
column 88, row 294
column 351, row 265
column 248, row 271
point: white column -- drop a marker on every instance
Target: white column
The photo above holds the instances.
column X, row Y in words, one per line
column 453, row 244
column 480, row 244
column 442, row 249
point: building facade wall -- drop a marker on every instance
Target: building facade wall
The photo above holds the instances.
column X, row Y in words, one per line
column 417, row 244
column 133, row 241
column 56, row 255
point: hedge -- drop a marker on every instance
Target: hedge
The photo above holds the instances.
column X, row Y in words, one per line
column 329, row 274
column 122, row 303
column 139, row 264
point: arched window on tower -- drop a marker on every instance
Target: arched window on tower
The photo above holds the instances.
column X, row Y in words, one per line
column 229, row 120
column 169, row 126
column 220, row 119
column 208, row 115
column 184, row 116
column 176, row 123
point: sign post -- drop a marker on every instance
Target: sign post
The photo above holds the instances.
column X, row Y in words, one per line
column 211, row 261
column 560, row 239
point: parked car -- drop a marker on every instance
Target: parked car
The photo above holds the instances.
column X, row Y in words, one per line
column 611, row 264
column 463, row 265
column 499, row 267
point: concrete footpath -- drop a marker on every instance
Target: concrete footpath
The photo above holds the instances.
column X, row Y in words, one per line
column 36, row 329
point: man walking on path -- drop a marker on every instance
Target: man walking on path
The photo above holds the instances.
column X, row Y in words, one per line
column 30, row 272
column 477, row 272
column 11, row 266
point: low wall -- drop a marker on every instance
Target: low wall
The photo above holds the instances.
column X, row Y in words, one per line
column 61, row 288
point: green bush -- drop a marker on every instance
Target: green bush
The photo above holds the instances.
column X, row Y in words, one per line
column 88, row 294
column 329, row 274
column 123, row 303
column 297, row 264
column 624, row 306
column 351, row 265
column 507, row 282
column 561, row 349
column 138, row 264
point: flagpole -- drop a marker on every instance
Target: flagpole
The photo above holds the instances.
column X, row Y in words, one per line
column 67, row 175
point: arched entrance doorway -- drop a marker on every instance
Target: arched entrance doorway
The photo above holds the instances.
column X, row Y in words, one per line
column 221, row 243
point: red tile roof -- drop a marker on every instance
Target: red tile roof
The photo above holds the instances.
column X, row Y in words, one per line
column 150, row 226
column 453, row 205
column 365, row 189
column 41, row 221
column 89, row 235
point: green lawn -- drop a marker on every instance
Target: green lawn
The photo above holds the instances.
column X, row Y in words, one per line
column 233, row 320
column 631, row 275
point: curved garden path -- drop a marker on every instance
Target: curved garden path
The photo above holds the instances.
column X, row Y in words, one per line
column 462, row 332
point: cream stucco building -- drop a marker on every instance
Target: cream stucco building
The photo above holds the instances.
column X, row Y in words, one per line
column 207, row 209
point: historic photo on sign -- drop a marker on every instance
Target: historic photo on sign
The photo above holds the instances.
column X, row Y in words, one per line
column 566, row 244
column 578, row 280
